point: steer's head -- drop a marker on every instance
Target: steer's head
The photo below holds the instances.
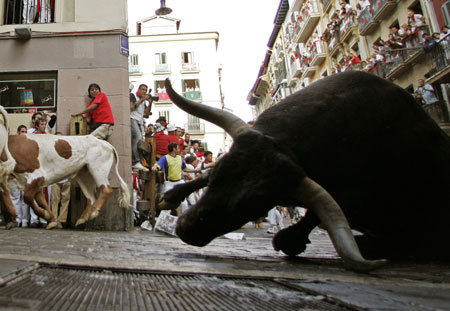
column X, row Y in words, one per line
column 249, row 180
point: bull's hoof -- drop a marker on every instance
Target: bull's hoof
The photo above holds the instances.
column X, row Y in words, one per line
column 51, row 225
column 49, row 217
column 11, row 224
column 289, row 242
column 93, row 215
column 81, row 223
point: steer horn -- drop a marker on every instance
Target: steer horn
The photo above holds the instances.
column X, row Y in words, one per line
column 228, row 121
column 334, row 220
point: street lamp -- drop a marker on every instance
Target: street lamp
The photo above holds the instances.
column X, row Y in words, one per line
column 163, row 10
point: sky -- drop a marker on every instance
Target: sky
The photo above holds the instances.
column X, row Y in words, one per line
column 244, row 29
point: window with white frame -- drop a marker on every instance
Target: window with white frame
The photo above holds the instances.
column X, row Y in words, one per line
column 134, row 59
column 160, row 58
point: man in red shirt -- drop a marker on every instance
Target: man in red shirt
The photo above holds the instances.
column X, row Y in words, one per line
column 161, row 141
column 98, row 113
column 173, row 137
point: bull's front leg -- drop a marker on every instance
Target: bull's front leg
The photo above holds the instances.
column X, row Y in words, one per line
column 8, row 210
column 173, row 198
column 293, row 240
column 40, row 199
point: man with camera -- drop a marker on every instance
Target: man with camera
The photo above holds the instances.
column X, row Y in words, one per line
column 139, row 110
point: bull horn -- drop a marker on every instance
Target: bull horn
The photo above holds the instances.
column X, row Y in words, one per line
column 228, row 121
column 335, row 222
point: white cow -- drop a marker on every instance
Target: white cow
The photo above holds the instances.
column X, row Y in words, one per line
column 41, row 160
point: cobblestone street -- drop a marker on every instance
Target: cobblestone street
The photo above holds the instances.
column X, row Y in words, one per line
column 398, row 286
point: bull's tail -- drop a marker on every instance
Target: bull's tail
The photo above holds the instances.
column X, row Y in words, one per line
column 125, row 195
column 6, row 166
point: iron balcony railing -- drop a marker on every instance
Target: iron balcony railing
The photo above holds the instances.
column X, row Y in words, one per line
column 190, row 67
column 28, row 12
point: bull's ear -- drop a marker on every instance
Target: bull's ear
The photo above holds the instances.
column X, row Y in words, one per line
column 330, row 214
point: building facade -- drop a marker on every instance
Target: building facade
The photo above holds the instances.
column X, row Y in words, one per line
column 190, row 61
column 313, row 39
column 49, row 56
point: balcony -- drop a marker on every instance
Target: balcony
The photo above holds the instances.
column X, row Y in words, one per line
column 18, row 12
column 133, row 69
column 296, row 69
column 382, row 8
column 318, row 54
column 372, row 14
column 310, row 16
column 366, row 25
column 308, row 71
column 192, row 95
column 347, row 28
column 400, row 60
column 163, row 96
column 190, row 68
column 162, row 69
column 195, row 128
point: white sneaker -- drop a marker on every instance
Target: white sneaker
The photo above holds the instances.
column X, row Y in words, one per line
column 139, row 166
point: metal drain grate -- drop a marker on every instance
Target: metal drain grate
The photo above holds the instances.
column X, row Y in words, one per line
column 69, row 289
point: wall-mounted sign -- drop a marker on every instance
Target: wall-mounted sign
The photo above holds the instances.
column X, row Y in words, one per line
column 124, row 45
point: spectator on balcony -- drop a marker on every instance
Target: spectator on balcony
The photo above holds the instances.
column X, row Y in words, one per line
column 430, row 99
column 436, row 36
column 364, row 4
column 428, row 41
column 407, row 36
column 445, row 30
column 346, row 7
column 415, row 19
column 358, row 10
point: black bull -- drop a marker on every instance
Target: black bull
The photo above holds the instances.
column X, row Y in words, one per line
column 383, row 162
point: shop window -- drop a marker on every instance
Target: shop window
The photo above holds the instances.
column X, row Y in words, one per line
column 24, row 92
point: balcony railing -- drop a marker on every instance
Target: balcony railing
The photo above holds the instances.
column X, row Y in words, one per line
column 133, row 69
column 190, row 67
column 192, row 94
column 25, row 12
column 195, row 128
column 373, row 13
column 318, row 54
column 162, row 68
column 296, row 69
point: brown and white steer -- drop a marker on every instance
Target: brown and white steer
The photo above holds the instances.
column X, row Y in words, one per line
column 41, row 160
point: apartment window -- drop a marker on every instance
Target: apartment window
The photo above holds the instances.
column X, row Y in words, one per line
column 134, row 59
column 27, row 11
column 161, row 58
column 22, row 92
column 187, row 57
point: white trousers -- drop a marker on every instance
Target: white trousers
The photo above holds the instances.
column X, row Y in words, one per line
column 169, row 185
column 22, row 209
